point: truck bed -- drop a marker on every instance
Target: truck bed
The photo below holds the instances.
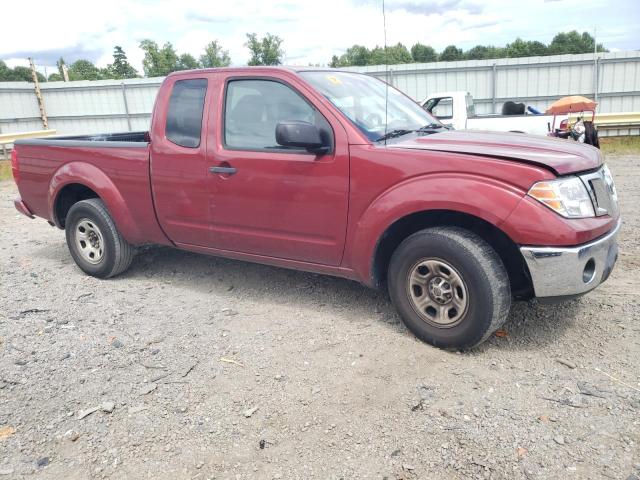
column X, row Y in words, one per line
column 124, row 139
column 526, row 123
column 115, row 166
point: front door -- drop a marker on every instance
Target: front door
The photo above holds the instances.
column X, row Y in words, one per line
column 268, row 200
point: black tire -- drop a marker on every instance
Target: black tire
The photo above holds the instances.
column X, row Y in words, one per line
column 116, row 254
column 485, row 286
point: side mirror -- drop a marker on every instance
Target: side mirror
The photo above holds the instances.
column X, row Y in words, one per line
column 300, row 135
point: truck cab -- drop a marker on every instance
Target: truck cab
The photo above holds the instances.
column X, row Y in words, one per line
column 451, row 108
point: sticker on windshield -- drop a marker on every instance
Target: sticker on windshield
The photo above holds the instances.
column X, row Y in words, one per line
column 333, row 79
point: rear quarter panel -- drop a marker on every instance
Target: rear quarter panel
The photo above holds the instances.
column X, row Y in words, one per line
column 119, row 175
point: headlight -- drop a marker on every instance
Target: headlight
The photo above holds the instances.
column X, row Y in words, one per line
column 567, row 196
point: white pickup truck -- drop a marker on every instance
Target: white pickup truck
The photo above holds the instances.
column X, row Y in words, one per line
column 457, row 109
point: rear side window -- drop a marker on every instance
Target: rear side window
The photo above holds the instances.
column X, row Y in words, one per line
column 184, row 116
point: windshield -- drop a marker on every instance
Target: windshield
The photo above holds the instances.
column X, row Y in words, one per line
column 362, row 99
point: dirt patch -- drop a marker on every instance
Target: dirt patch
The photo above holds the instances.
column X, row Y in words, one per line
column 197, row 367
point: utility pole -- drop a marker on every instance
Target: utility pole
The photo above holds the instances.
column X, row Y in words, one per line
column 36, row 83
column 65, row 72
column 595, row 64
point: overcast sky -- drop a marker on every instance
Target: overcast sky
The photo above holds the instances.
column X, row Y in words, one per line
column 313, row 31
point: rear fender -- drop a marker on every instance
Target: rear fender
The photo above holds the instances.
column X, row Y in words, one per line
column 92, row 177
column 482, row 197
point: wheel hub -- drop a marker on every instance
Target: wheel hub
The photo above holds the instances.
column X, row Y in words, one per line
column 437, row 292
column 440, row 290
column 89, row 241
column 93, row 239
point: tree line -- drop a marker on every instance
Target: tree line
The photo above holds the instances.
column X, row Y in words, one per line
column 159, row 61
column 563, row 43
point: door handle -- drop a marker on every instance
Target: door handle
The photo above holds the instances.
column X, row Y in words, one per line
column 223, row 170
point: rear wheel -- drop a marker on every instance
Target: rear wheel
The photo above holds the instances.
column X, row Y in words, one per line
column 449, row 287
column 94, row 241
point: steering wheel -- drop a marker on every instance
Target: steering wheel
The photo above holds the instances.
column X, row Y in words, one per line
column 373, row 120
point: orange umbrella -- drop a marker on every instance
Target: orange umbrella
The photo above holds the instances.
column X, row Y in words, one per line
column 574, row 103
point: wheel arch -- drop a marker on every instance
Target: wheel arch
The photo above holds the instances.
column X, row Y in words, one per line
column 67, row 196
column 506, row 248
column 77, row 181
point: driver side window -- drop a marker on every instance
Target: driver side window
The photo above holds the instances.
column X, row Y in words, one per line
column 253, row 109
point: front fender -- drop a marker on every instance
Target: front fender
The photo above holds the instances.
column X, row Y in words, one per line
column 483, row 197
column 92, row 177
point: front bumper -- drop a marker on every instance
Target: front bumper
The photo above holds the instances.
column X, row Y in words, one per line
column 558, row 271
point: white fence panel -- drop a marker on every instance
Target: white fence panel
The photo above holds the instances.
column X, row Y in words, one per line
column 115, row 105
column 537, row 81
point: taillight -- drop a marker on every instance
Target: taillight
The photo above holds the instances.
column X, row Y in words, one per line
column 14, row 165
column 564, row 124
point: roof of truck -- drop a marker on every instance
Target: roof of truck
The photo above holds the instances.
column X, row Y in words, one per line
column 265, row 68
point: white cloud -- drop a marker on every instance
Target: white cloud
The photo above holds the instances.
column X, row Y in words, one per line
column 312, row 31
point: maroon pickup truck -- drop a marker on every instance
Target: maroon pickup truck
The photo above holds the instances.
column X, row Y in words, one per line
column 333, row 172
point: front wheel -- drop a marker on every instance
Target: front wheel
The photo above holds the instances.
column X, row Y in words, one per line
column 449, row 287
column 94, row 241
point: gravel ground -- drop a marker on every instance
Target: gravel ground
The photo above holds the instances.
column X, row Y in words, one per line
column 196, row 367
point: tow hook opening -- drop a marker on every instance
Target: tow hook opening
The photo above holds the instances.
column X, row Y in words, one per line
column 589, row 271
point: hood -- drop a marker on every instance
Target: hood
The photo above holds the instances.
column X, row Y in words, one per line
column 560, row 156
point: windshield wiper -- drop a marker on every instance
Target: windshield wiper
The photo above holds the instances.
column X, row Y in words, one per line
column 398, row 132
column 432, row 126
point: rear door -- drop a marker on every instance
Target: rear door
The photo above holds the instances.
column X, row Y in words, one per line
column 268, row 200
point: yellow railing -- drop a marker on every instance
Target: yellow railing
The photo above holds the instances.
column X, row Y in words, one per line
column 9, row 138
column 6, row 138
column 614, row 120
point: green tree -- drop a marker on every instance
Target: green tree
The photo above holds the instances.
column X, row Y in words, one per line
column 158, row 62
column 423, row 53
column 377, row 56
column 266, row 51
column 482, row 52
column 84, row 70
column 214, row 56
column 355, row 55
column 392, row 55
column 451, row 54
column 335, row 62
column 18, row 74
column 22, row 74
column 398, row 54
column 6, row 73
column 537, row 48
column 522, row 48
column 55, row 77
column 573, row 42
column 120, row 68
column 186, row 61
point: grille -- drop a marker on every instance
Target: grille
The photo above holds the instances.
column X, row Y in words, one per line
column 602, row 192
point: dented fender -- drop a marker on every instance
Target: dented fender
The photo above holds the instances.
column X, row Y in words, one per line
column 486, row 198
